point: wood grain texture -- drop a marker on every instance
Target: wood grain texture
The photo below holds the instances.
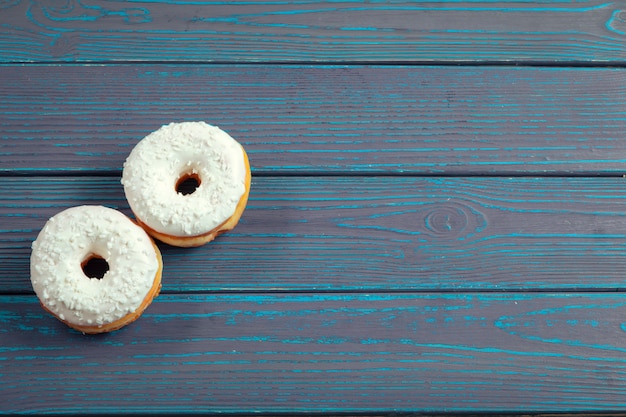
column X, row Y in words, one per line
column 339, row 31
column 323, row 353
column 369, row 234
column 418, row 239
column 323, row 119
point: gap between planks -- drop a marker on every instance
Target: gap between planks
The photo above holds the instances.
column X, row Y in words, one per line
column 351, row 63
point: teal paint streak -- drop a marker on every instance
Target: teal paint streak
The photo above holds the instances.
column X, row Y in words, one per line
column 511, row 325
column 617, row 19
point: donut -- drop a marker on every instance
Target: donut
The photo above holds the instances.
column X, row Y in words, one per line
column 70, row 240
column 215, row 163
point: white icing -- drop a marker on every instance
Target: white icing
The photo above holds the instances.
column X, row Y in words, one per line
column 68, row 239
column 159, row 160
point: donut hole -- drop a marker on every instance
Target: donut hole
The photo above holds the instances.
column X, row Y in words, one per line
column 95, row 266
column 188, row 183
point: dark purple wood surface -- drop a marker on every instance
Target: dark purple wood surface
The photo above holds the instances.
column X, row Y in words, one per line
column 334, row 353
column 321, row 119
column 436, row 222
column 393, row 233
column 338, row 31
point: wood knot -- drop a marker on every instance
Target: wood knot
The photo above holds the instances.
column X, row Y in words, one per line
column 446, row 220
column 426, row 222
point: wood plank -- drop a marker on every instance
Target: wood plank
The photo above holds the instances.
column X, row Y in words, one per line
column 369, row 234
column 323, row 353
column 323, row 119
column 253, row 31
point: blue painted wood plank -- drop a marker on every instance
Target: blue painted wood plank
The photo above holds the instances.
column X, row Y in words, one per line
column 323, row 119
column 368, row 234
column 333, row 353
column 338, row 31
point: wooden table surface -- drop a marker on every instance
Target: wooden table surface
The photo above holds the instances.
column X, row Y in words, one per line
column 436, row 221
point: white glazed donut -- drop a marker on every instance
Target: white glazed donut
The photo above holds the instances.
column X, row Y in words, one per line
column 71, row 238
column 175, row 152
